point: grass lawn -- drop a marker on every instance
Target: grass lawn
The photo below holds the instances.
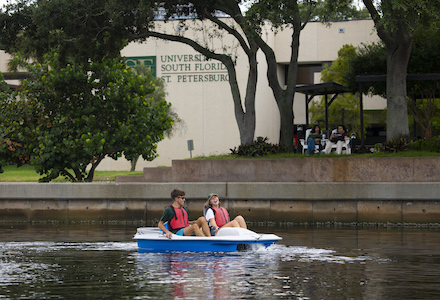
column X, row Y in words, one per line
column 27, row 173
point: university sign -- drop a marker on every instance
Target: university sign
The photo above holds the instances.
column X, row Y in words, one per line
column 183, row 68
column 148, row 61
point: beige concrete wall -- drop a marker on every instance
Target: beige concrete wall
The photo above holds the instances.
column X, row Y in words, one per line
column 4, row 58
column 275, row 203
column 319, row 42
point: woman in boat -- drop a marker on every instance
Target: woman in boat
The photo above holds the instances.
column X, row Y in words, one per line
column 217, row 216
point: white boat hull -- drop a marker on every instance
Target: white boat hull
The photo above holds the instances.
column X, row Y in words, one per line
column 228, row 239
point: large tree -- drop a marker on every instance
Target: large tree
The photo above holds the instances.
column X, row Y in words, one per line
column 67, row 118
column 395, row 22
column 422, row 104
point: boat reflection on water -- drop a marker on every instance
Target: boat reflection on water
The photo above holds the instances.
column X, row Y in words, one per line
column 260, row 272
column 214, row 284
column 205, row 275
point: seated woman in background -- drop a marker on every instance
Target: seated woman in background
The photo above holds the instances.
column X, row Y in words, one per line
column 314, row 137
column 337, row 138
column 218, row 216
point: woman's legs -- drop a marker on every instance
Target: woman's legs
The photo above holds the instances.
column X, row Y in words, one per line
column 310, row 146
column 339, row 145
column 233, row 223
column 240, row 220
column 237, row 222
column 328, row 147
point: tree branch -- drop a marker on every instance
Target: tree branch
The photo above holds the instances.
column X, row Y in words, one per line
column 94, row 166
column 377, row 21
column 231, row 31
column 67, row 173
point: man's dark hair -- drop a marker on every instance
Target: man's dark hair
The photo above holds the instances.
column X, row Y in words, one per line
column 176, row 193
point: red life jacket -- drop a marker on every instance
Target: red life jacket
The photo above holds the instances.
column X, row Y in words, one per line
column 180, row 219
column 221, row 216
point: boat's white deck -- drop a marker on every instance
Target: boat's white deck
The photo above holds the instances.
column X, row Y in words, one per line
column 224, row 234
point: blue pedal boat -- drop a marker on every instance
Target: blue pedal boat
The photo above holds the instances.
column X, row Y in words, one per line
column 229, row 239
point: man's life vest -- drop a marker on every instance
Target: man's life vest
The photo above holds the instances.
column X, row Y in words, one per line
column 180, row 219
column 221, row 215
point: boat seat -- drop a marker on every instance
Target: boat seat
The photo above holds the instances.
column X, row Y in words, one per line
column 167, row 226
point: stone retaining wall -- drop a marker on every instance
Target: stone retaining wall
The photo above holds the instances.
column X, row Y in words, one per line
column 279, row 202
column 310, row 169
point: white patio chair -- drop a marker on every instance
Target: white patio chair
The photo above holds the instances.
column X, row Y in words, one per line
column 346, row 145
column 304, row 142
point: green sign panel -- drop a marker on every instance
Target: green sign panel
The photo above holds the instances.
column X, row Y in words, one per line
column 149, row 61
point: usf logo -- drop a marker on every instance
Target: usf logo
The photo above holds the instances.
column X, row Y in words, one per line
column 148, row 61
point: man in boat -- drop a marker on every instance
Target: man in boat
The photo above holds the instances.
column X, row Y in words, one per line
column 217, row 216
column 177, row 217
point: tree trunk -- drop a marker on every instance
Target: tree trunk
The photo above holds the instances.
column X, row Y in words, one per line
column 95, row 164
column 428, row 131
column 284, row 97
column 133, row 163
column 245, row 118
column 397, row 110
column 398, row 40
column 285, row 106
column 397, row 114
column 66, row 173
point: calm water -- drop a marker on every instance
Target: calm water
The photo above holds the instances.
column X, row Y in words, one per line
column 102, row 262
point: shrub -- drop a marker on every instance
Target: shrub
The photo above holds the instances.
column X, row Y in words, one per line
column 260, row 147
column 431, row 145
column 395, row 145
column 68, row 120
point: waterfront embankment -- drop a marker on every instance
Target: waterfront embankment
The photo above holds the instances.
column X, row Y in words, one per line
column 345, row 168
column 277, row 203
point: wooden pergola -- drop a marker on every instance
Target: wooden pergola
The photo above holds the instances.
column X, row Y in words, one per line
column 321, row 89
column 335, row 89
